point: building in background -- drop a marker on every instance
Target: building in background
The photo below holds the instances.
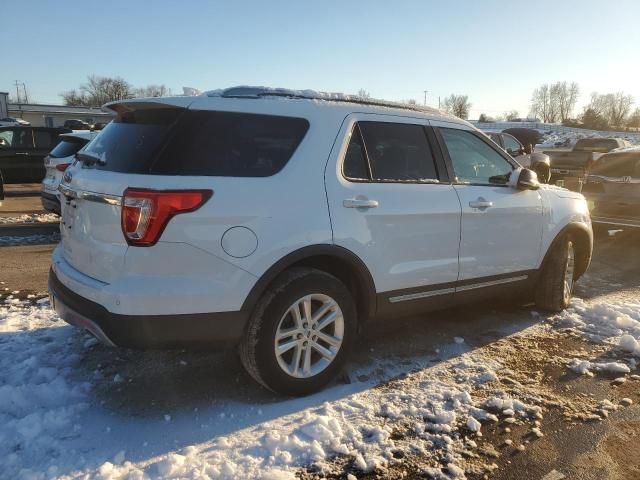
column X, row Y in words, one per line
column 41, row 115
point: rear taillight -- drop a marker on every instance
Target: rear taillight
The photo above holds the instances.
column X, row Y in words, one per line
column 145, row 213
column 62, row 167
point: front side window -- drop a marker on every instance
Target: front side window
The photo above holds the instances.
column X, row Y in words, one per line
column 511, row 145
column 398, row 152
column 473, row 160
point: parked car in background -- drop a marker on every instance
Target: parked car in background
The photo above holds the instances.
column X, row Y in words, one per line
column 57, row 162
column 568, row 168
column 22, row 152
column 524, row 155
column 612, row 189
column 13, row 122
column 77, row 125
column 285, row 226
column 526, row 136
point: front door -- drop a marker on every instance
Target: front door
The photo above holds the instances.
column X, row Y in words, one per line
column 501, row 226
column 392, row 205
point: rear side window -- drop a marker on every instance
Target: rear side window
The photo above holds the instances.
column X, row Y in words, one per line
column 596, row 145
column 44, row 139
column 231, row 144
column 67, row 147
column 396, row 152
column 175, row 141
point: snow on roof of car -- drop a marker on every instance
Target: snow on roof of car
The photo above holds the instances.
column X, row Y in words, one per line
column 255, row 92
column 83, row 135
column 632, row 149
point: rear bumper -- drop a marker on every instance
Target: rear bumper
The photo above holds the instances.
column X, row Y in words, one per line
column 50, row 202
column 146, row 331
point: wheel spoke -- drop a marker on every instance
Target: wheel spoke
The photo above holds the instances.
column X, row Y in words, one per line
column 297, row 318
column 307, row 309
column 306, row 369
column 289, row 332
column 333, row 341
column 328, row 320
column 295, row 363
column 324, row 309
column 285, row 347
column 325, row 352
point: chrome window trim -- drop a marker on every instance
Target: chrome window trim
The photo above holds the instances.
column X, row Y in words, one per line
column 90, row 196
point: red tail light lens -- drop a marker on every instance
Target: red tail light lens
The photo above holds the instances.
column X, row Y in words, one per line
column 146, row 213
column 62, row 167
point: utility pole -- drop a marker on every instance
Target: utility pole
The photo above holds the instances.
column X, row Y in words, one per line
column 24, row 88
column 425, row 97
column 17, row 92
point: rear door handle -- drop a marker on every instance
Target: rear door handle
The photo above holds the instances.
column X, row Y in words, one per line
column 480, row 203
column 21, row 153
column 359, row 203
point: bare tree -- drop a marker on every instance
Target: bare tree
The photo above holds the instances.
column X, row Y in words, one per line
column 634, row 119
column 457, row 105
column 511, row 115
column 152, row 91
column 541, row 103
column 554, row 102
column 363, row 93
column 613, row 108
column 98, row 91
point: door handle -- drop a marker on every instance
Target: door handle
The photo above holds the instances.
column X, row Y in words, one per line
column 359, row 203
column 480, row 203
column 21, row 153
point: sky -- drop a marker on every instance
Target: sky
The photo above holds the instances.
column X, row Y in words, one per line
column 496, row 52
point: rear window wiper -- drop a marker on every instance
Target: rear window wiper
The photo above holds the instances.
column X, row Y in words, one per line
column 89, row 159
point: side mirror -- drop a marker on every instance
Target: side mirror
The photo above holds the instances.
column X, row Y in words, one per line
column 528, row 180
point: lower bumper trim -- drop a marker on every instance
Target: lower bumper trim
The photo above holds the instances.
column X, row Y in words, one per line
column 146, row 331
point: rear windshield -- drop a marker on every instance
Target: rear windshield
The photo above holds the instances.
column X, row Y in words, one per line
column 68, row 147
column 618, row 165
column 172, row 141
column 594, row 145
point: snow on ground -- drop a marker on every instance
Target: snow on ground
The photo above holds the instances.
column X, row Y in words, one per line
column 567, row 139
column 54, row 425
column 31, row 218
column 40, row 239
column 612, row 324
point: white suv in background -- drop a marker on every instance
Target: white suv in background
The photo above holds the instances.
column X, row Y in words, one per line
column 285, row 221
column 55, row 164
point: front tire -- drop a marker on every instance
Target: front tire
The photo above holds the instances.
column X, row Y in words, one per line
column 301, row 332
column 557, row 279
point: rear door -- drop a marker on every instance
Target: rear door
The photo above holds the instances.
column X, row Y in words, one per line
column 16, row 149
column 618, row 184
column 391, row 204
column 501, row 226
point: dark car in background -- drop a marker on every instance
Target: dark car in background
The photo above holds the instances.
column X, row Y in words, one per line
column 569, row 168
column 526, row 136
column 75, row 124
column 22, row 152
column 612, row 190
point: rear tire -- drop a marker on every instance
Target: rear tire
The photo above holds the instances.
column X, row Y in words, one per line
column 298, row 353
column 557, row 279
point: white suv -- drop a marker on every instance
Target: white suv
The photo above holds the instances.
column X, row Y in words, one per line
column 284, row 221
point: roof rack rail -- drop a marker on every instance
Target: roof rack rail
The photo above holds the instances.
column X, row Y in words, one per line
column 261, row 92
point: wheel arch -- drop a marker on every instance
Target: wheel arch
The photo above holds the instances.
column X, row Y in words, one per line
column 583, row 236
column 333, row 259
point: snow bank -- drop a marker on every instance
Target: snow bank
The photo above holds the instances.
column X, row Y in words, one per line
column 53, row 424
column 31, row 218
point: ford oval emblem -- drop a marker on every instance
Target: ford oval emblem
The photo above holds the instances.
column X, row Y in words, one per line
column 67, row 177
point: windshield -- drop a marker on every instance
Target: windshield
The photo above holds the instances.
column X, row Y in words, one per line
column 67, row 147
